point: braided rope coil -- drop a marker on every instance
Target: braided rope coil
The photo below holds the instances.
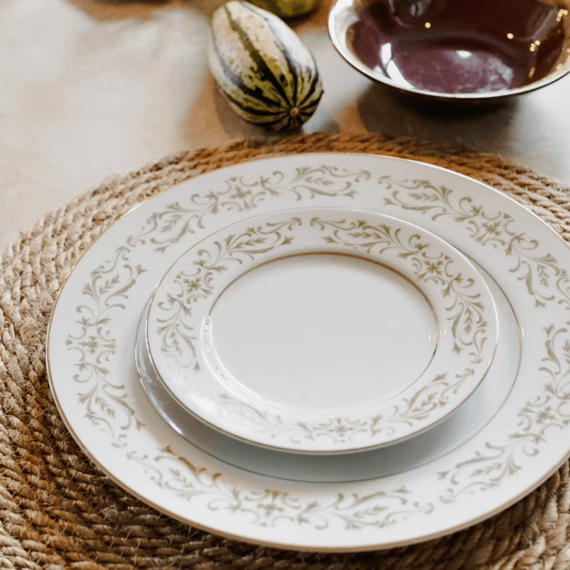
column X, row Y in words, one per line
column 58, row 511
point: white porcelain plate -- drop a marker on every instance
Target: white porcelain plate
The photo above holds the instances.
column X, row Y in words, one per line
column 90, row 358
column 322, row 330
column 446, row 436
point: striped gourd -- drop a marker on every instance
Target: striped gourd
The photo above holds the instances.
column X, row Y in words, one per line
column 266, row 73
column 287, row 8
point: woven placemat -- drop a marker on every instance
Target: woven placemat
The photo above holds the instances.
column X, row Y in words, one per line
column 57, row 510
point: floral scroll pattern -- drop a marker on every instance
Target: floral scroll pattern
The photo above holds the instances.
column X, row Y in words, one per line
column 112, row 283
column 543, row 277
column 466, row 312
column 93, row 344
column 271, row 507
column 463, row 307
column 241, row 194
column 196, row 283
column 104, row 396
column 181, row 305
column 546, row 282
column 538, row 418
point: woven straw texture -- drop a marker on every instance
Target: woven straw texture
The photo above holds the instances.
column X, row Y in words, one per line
column 57, row 510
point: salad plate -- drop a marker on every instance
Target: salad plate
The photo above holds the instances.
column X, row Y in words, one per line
column 95, row 382
column 322, row 330
column 447, row 435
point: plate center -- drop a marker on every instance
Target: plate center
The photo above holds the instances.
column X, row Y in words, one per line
column 321, row 332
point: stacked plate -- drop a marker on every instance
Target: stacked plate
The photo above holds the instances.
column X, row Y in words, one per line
column 320, row 352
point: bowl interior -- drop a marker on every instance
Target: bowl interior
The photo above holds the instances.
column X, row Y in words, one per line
column 468, row 49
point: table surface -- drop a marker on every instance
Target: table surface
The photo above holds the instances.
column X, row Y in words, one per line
column 90, row 88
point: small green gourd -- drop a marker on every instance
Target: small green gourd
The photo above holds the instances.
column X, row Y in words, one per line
column 266, row 73
column 287, row 8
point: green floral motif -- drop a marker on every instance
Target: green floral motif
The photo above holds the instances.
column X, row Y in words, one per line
column 462, row 301
column 336, row 429
column 112, row 283
column 549, row 412
column 175, row 325
column 104, row 398
column 540, row 273
column 274, row 508
column 240, row 194
column 466, row 312
column 546, row 282
column 425, row 401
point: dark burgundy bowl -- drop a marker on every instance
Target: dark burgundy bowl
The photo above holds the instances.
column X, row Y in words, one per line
column 455, row 50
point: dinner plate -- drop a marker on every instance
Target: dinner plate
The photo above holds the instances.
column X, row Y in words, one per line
column 449, row 434
column 322, row 330
column 92, row 333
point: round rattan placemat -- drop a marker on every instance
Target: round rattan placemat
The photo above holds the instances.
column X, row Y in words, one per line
column 57, row 510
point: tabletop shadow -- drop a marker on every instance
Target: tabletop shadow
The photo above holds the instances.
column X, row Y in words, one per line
column 384, row 111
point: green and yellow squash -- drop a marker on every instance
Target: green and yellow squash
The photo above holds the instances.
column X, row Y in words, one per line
column 266, row 73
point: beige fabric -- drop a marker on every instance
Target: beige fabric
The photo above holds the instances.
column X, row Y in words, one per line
column 58, row 511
